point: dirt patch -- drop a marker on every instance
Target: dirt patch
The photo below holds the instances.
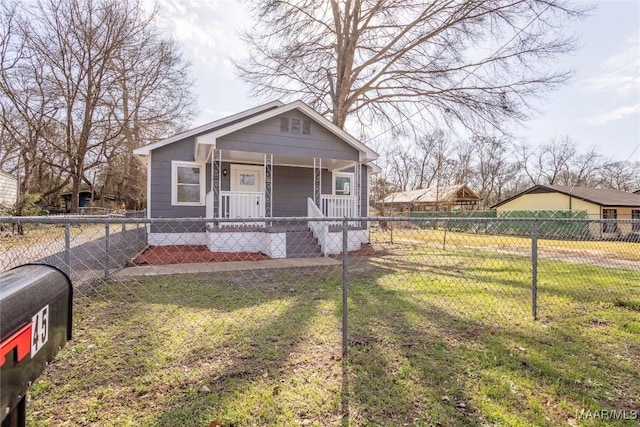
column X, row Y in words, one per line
column 180, row 254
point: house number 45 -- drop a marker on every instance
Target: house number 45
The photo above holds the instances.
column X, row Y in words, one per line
column 39, row 330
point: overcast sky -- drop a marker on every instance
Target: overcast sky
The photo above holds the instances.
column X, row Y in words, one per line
column 599, row 108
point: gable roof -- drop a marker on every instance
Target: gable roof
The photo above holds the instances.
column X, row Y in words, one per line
column 599, row 196
column 430, row 195
column 208, row 134
column 207, row 127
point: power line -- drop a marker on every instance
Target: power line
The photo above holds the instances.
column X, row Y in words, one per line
column 534, row 19
column 633, row 152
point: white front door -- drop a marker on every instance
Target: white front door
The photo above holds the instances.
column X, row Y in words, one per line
column 247, row 193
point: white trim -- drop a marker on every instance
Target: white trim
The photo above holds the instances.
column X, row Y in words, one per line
column 366, row 154
column 144, row 151
column 351, row 176
column 368, row 199
column 149, row 190
column 208, row 201
column 175, row 164
column 375, row 169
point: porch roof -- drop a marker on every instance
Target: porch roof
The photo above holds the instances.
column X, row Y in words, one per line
column 282, row 160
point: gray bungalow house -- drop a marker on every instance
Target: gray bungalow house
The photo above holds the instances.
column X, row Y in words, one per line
column 275, row 160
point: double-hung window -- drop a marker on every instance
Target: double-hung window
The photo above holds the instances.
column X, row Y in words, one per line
column 187, row 183
column 342, row 184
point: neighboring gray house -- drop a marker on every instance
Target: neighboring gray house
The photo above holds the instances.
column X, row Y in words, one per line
column 8, row 189
column 275, row 160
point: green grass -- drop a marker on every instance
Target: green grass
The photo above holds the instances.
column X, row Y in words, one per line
column 451, row 239
column 38, row 234
column 436, row 337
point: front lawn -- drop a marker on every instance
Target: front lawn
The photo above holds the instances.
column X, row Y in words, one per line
column 436, row 337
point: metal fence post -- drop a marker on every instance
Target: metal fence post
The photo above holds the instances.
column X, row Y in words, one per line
column 67, row 249
column 345, row 248
column 534, row 269
column 444, row 240
column 106, row 250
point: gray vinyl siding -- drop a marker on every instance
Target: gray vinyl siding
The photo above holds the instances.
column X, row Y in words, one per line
column 292, row 187
column 160, row 205
column 364, row 190
column 266, row 137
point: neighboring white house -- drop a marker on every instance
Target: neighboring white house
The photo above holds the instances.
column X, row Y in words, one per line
column 8, row 189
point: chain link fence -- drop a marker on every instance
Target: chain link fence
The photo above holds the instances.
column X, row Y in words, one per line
column 316, row 321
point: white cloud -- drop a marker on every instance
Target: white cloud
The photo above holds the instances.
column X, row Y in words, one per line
column 616, row 114
column 206, row 30
column 621, row 72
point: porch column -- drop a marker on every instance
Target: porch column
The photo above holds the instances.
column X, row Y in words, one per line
column 268, row 187
column 216, row 167
column 357, row 179
column 317, row 181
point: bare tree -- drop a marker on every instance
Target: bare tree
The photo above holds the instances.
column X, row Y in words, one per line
column 462, row 172
column 473, row 62
column 555, row 158
column 401, row 169
column 434, row 152
column 151, row 99
column 560, row 162
column 26, row 105
column 583, row 170
column 86, row 81
column 618, row 175
column 491, row 168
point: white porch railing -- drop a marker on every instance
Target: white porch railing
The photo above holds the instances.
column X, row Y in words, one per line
column 338, row 206
column 237, row 204
column 240, row 204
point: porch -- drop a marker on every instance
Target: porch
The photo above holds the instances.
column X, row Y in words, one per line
column 248, row 188
column 263, row 185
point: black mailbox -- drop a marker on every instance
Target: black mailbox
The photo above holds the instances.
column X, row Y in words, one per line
column 35, row 322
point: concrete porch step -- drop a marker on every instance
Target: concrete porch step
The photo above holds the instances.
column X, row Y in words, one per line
column 302, row 244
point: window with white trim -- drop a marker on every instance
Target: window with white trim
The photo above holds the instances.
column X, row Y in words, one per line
column 187, row 183
column 342, row 184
